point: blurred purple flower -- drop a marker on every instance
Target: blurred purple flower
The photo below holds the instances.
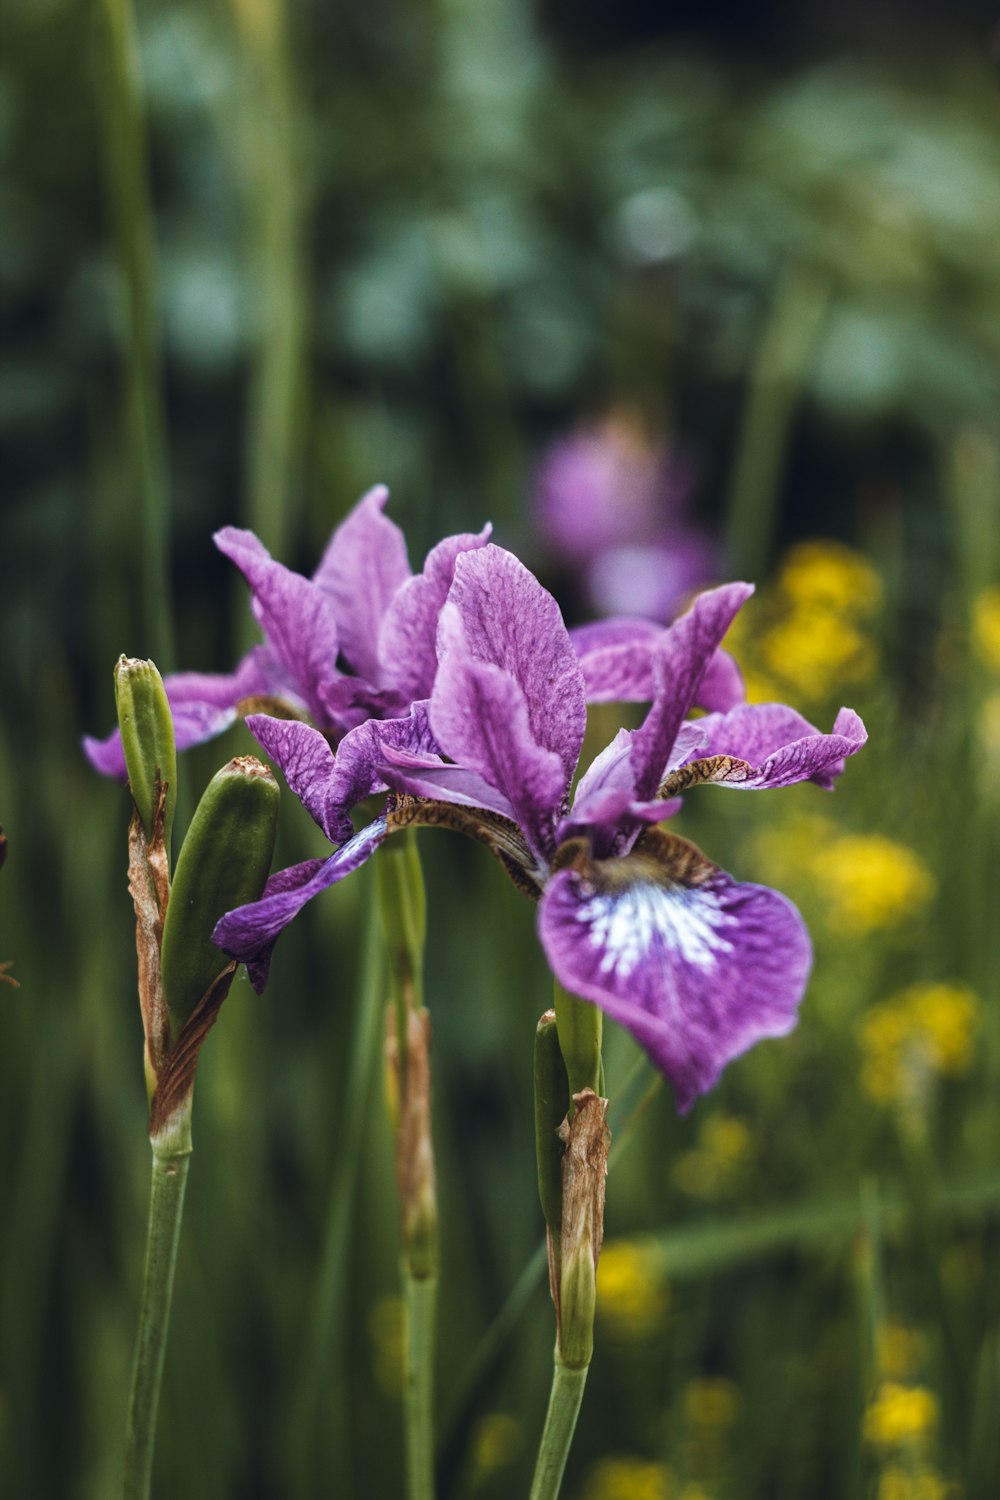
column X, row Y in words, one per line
column 633, row 918
column 612, row 503
column 361, row 606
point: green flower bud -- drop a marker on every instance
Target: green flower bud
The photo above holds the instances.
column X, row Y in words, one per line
column 551, row 1105
column 223, row 863
column 147, row 730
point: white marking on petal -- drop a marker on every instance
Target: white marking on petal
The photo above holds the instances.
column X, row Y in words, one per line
column 625, row 925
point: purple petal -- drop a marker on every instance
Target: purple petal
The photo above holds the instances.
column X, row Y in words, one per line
column 307, row 763
column 617, row 658
column 481, row 717
column 203, row 705
column 362, row 568
column 512, row 623
column 695, row 965
column 358, row 771
column 430, row 776
column 250, row 932
column 779, row 746
column 294, row 614
column 683, row 654
column 407, row 642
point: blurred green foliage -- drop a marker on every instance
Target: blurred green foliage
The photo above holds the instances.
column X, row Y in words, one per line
column 411, row 244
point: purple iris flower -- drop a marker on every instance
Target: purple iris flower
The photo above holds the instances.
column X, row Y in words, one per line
column 356, row 640
column 611, row 504
column 696, row 965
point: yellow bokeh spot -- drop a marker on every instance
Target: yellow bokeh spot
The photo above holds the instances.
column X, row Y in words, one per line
column 870, row 881
column 900, row 1416
column 827, row 575
column 719, row 1162
column 496, row 1441
column 899, row 1482
column 814, row 652
column 900, row 1351
column 632, row 1295
column 924, row 1030
column 621, row 1478
column 712, row 1403
column 986, row 627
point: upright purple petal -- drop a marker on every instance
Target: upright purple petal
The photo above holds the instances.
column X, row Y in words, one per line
column 360, row 754
column 512, row 623
column 307, row 763
column 407, row 642
column 695, row 965
column 683, row 654
column 481, row 717
column 294, row 614
column 617, row 658
column 364, row 564
column 779, row 747
column 250, row 932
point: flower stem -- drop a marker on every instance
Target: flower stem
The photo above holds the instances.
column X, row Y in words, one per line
column 420, row 1293
column 560, row 1425
column 171, row 1155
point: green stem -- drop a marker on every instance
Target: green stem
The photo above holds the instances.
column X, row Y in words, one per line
column 580, row 1031
column 560, row 1425
column 322, row 1369
column 171, row 1155
column 421, row 1304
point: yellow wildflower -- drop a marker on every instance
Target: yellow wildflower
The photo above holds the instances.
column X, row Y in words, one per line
column 387, row 1327
column 712, row 1403
column 900, row 1416
column 622, row 1478
column 826, row 575
column 899, row 1482
column 871, row 881
column 815, row 651
column 899, row 1351
column 496, row 1441
column 632, row 1293
column 986, row 627
column 719, row 1163
column 924, row 1030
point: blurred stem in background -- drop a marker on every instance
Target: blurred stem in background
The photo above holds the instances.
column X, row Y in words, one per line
column 404, row 921
column 145, row 519
column 273, row 175
column 774, row 384
column 323, row 1374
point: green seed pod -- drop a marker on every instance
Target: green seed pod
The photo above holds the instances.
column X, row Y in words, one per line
column 223, row 863
column 551, row 1104
column 147, row 730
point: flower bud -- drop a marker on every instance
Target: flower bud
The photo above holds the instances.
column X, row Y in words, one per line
column 551, row 1104
column 147, row 730
column 223, row 863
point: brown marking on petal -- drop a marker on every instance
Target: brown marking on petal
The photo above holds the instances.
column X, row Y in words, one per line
column 711, row 768
column 658, row 857
column 501, row 836
column 267, row 703
column 149, row 887
column 175, row 1075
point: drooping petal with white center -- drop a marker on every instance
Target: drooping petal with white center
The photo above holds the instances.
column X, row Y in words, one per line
column 295, row 616
column 364, row 564
column 510, row 622
column 697, row 966
column 407, row 642
column 779, row 747
column 250, row 932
